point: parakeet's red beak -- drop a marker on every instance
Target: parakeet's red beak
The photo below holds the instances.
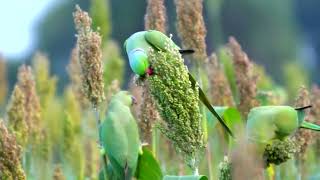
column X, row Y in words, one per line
column 149, row 71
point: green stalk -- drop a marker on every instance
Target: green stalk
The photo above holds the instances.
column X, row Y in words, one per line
column 203, row 123
column 155, row 142
column 103, row 156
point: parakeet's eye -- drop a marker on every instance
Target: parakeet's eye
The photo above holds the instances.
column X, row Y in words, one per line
column 138, row 60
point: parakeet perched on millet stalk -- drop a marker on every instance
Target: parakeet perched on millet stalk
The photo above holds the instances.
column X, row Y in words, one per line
column 266, row 123
column 120, row 136
column 157, row 59
column 270, row 127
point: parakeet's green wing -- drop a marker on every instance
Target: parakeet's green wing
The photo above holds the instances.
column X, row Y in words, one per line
column 114, row 138
column 157, row 39
column 134, row 143
column 311, row 126
column 120, row 138
column 206, row 102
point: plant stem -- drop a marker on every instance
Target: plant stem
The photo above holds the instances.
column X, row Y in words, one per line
column 155, row 141
column 278, row 173
column 209, row 158
column 271, row 173
column 204, row 123
column 103, row 156
column 299, row 168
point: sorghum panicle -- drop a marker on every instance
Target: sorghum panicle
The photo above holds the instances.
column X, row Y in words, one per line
column 16, row 116
column 245, row 78
column 191, row 27
column 89, row 44
column 45, row 84
column 302, row 136
column 3, row 81
column 74, row 71
column 155, row 17
column 315, row 112
column 10, row 154
column 220, row 91
column 31, row 104
column 177, row 101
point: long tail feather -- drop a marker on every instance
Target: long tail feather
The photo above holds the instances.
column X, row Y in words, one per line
column 206, row 102
column 186, row 51
column 302, row 108
column 311, row 126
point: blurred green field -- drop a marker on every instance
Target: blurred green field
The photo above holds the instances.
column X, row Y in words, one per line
column 54, row 113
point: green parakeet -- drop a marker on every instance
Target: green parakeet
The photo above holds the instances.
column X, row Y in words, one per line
column 120, row 137
column 266, row 123
column 140, row 43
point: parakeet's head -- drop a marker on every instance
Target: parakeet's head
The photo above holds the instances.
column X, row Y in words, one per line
column 124, row 97
column 138, row 60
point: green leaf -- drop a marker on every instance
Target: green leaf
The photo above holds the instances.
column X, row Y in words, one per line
column 200, row 177
column 148, row 167
column 231, row 116
column 227, row 62
column 205, row 101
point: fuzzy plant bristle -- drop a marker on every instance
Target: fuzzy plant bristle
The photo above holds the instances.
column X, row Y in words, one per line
column 10, row 154
column 74, row 71
column 315, row 113
column 220, row 91
column 89, row 44
column 32, row 107
column 245, row 78
column 16, row 116
column 191, row 27
column 155, row 17
column 3, row 81
column 279, row 151
column 177, row 101
column 303, row 137
column 45, row 84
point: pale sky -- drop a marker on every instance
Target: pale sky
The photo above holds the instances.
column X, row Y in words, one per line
column 17, row 21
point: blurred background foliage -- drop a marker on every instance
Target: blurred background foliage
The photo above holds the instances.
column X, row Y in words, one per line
column 281, row 36
column 273, row 33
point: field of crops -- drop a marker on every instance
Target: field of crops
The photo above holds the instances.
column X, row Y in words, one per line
column 184, row 113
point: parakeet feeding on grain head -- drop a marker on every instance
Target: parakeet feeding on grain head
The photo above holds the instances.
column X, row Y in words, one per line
column 270, row 128
column 137, row 47
column 266, row 123
column 120, row 137
column 155, row 57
